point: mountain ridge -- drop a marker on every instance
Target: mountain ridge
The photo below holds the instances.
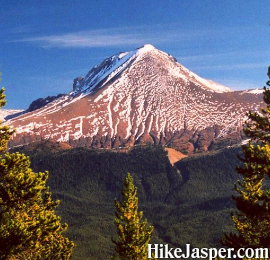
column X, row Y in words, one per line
column 116, row 63
column 141, row 97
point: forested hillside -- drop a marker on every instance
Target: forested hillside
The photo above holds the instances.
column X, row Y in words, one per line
column 188, row 203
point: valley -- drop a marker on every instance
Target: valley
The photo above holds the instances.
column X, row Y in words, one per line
column 187, row 203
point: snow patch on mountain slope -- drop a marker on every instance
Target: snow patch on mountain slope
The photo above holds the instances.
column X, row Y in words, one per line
column 256, row 91
column 207, row 84
column 9, row 112
column 116, row 64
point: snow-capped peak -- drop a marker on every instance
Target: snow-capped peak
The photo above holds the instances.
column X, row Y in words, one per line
column 145, row 48
column 113, row 66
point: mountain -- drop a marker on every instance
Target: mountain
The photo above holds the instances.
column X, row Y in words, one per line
column 141, row 97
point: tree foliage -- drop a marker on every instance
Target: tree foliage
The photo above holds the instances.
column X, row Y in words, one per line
column 5, row 132
column 29, row 226
column 133, row 232
column 252, row 220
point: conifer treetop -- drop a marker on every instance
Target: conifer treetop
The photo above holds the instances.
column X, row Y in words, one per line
column 133, row 232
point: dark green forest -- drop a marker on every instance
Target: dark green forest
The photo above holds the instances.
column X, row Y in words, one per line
column 186, row 203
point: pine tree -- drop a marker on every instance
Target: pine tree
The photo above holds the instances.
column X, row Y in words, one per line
column 5, row 132
column 252, row 219
column 29, row 226
column 133, row 232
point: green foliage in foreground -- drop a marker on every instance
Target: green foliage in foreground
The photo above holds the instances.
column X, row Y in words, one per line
column 133, row 233
column 252, row 219
column 189, row 203
column 29, row 227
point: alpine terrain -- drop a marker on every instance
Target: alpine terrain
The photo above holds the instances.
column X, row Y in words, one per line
column 141, row 97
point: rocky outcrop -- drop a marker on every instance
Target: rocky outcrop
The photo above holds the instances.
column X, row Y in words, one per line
column 76, row 83
column 41, row 102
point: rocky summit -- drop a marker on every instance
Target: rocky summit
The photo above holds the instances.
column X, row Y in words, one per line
column 141, row 97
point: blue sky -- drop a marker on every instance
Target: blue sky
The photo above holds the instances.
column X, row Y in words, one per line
column 44, row 45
